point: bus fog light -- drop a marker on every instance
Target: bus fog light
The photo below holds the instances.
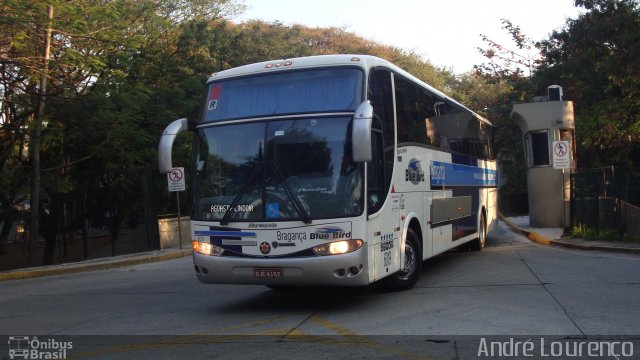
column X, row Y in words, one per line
column 355, row 270
column 338, row 247
column 206, row 248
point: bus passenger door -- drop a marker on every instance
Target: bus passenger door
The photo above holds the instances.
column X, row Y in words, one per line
column 384, row 220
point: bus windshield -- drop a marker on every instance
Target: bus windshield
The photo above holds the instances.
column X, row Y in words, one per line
column 290, row 92
column 277, row 170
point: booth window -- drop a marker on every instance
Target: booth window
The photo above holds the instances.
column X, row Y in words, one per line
column 538, row 148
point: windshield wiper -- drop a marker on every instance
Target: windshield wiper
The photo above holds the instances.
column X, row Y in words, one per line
column 297, row 204
column 236, row 200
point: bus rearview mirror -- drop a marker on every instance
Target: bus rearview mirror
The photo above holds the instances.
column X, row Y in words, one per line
column 361, row 132
column 166, row 143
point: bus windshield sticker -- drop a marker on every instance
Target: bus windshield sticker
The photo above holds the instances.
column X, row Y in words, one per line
column 214, row 96
column 279, row 133
column 273, row 210
column 397, row 202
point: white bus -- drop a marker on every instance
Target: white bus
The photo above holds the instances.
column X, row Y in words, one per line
column 332, row 170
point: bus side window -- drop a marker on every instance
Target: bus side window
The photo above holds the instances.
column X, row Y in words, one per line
column 411, row 125
column 380, row 93
column 429, row 112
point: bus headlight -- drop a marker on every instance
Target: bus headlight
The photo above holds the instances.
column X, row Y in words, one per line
column 206, row 248
column 338, row 247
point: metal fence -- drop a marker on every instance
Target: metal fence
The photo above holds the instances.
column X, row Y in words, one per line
column 630, row 220
column 87, row 216
column 606, row 201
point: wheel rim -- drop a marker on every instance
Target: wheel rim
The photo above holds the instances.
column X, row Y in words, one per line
column 409, row 262
column 483, row 233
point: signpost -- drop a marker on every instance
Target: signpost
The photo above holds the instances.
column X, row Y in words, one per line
column 176, row 183
column 562, row 160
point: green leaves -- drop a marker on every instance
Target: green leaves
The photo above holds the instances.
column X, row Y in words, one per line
column 123, row 69
column 596, row 58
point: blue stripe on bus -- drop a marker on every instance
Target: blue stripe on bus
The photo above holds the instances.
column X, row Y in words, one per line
column 224, row 233
column 447, row 174
column 217, row 234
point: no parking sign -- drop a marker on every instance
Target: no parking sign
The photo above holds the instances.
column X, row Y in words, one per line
column 561, row 155
column 175, row 179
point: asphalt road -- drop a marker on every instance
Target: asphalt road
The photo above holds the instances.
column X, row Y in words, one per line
column 514, row 288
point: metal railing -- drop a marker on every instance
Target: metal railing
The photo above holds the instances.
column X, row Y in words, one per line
column 630, row 217
column 87, row 220
column 605, row 202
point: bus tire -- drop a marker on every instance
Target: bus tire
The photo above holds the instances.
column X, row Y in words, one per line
column 407, row 277
column 479, row 243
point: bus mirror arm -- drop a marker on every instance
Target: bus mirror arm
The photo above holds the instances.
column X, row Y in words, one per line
column 166, row 143
column 361, row 133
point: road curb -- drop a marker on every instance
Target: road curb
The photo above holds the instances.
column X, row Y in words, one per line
column 617, row 249
column 531, row 235
column 85, row 267
column 540, row 239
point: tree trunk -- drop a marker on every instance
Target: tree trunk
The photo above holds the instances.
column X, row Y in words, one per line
column 34, row 144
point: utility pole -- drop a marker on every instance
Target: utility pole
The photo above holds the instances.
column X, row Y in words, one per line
column 34, row 143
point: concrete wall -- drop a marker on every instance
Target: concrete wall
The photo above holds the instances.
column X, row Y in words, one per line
column 168, row 229
column 546, row 202
column 543, row 115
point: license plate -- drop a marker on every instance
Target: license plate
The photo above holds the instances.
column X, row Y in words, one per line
column 271, row 273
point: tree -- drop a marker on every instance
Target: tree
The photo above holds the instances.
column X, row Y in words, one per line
column 596, row 58
column 107, row 67
column 508, row 63
column 120, row 70
column 507, row 78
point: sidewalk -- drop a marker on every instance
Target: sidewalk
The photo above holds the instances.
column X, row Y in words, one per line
column 95, row 264
column 553, row 236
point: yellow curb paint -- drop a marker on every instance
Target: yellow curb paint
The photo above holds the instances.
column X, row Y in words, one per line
column 534, row 236
column 531, row 235
column 537, row 238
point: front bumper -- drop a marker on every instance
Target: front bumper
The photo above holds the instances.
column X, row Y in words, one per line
column 334, row 270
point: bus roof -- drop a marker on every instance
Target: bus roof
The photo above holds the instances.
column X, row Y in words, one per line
column 363, row 61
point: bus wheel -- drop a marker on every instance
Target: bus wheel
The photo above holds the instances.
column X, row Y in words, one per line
column 407, row 277
column 478, row 244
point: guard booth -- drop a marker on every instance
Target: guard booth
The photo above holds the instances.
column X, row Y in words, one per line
column 548, row 127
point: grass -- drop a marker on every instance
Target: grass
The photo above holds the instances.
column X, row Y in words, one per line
column 587, row 233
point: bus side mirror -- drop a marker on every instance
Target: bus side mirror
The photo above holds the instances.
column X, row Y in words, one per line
column 361, row 133
column 166, row 143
